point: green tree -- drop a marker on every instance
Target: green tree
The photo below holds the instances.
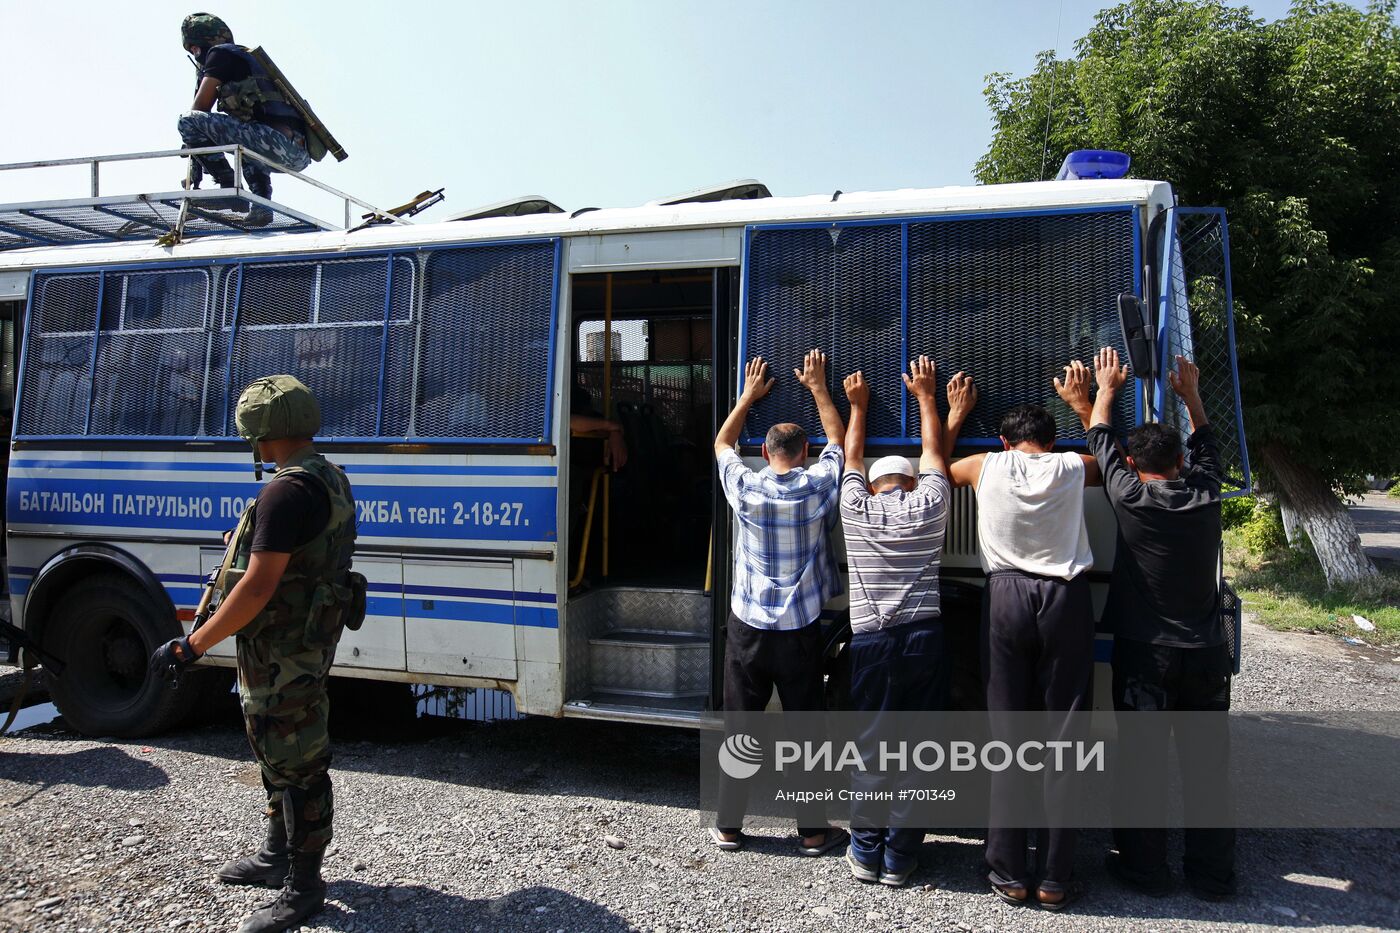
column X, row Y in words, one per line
column 1294, row 127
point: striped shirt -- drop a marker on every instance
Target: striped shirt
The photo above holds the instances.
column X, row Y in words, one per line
column 784, row 571
column 893, row 544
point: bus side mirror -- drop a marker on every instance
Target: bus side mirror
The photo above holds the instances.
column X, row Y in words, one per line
column 1137, row 336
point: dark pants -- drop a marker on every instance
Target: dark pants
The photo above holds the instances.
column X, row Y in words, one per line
column 1150, row 678
column 755, row 662
column 899, row 668
column 1037, row 654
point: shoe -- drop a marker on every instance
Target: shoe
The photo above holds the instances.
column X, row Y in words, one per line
column 723, row 844
column 1212, row 895
column 859, row 870
column 835, row 836
column 303, row 894
column 223, row 178
column 1014, row 894
column 267, row 866
column 1160, row 886
column 896, row 879
column 261, row 185
column 1059, row 896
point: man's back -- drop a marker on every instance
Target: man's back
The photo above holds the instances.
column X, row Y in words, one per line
column 894, row 540
column 784, row 568
column 1030, row 514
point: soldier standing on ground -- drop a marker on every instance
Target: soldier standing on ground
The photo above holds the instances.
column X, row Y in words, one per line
column 293, row 596
column 254, row 112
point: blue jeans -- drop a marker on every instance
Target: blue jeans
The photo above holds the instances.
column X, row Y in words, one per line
column 199, row 129
column 903, row 668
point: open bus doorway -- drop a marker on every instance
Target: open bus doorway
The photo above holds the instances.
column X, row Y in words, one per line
column 642, row 565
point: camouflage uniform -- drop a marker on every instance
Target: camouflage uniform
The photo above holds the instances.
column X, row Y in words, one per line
column 199, row 129
column 285, row 655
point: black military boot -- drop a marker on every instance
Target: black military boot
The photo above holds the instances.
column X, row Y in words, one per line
column 260, row 183
column 222, row 176
column 303, row 894
column 268, row 865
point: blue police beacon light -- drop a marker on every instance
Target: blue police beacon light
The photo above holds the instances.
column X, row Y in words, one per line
column 1094, row 163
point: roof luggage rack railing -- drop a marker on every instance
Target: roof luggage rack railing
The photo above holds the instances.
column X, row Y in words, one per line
column 170, row 216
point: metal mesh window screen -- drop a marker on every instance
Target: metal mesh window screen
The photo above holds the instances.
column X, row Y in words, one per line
column 837, row 289
column 1197, row 325
column 348, row 328
column 1010, row 300
column 483, row 369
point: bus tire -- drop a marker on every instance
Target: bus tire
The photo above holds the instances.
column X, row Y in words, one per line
column 104, row 629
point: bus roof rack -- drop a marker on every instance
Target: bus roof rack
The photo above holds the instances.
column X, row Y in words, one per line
column 511, row 207
column 167, row 216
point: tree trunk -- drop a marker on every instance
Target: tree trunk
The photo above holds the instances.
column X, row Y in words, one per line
column 1322, row 515
column 1292, row 523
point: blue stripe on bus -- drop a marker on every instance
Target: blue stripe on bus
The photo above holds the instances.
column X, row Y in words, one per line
column 480, row 594
column 237, row 467
column 19, row 585
column 1103, row 650
column 533, row 616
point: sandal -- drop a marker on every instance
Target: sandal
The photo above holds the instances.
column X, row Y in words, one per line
column 835, row 836
column 723, row 844
column 1013, row 894
column 1069, row 892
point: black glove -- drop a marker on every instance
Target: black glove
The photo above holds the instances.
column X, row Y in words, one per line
column 169, row 663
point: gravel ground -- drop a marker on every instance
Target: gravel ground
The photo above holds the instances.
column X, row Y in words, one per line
column 503, row 827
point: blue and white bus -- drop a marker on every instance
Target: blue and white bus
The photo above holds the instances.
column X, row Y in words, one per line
column 449, row 357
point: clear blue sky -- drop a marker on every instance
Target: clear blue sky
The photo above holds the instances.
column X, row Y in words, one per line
column 603, row 103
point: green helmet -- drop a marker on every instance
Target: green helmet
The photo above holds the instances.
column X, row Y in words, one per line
column 275, row 407
column 204, row 30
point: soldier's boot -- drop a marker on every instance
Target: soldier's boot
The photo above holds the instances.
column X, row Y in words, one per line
column 267, row 866
column 223, row 177
column 260, row 183
column 302, row 894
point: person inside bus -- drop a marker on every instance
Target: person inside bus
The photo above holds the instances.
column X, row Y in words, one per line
column 1169, row 649
column 784, row 573
column 894, row 524
column 1037, row 631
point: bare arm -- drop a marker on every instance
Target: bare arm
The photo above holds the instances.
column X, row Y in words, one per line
column 245, row 601
column 614, row 446
column 756, row 385
column 1186, row 382
column 922, row 383
column 206, row 94
column 1073, row 388
column 813, row 376
column 1093, row 476
column 965, row 472
column 962, row 398
column 858, row 394
column 1111, row 377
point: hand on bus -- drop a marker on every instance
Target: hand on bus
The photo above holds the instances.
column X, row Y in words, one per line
column 922, row 378
column 615, row 451
column 813, row 371
column 1186, row 381
column 756, row 381
column 962, row 396
column 1073, row 387
column 1111, row 376
column 857, row 391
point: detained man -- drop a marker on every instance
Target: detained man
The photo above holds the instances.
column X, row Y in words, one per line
column 894, row 526
column 1037, row 631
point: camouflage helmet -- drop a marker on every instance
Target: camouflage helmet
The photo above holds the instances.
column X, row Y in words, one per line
column 204, row 30
column 275, row 407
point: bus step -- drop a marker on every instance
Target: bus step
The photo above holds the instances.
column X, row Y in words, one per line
column 629, row 708
column 652, row 609
column 650, row 663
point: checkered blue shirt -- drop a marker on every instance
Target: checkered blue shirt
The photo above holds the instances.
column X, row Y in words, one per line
column 784, row 570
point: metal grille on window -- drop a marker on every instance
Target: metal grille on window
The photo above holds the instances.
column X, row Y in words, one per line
column 484, row 349
column 1009, row 300
column 57, row 381
column 1197, row 324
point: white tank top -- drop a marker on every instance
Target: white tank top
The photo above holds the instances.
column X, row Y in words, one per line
column 1030, row 514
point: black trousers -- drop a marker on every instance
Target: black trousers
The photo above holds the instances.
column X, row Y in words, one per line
column 755, row 662
column 1165, row 678
column 1037, row 654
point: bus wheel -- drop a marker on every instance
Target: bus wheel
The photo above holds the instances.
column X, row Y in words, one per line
column 105, row 629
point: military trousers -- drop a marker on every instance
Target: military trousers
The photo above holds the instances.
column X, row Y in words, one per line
column 199, row 128
column 282, row 686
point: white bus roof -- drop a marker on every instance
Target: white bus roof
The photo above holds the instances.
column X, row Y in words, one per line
column 855, row 205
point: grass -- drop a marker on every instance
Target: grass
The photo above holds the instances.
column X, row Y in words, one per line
column 1286, row 590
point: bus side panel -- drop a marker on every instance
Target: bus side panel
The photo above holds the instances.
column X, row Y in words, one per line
column 459, row 617
column 540, row 683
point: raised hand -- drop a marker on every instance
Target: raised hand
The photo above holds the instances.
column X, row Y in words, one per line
column 922, row 378
column 1110, row 375
column 756, row 381
column 1186, row 381
column 1073, row 386
column 857, row 391
column 813, row 371
column 962, row 396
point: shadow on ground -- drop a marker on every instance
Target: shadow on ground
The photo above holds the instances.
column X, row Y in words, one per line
column 356, row 906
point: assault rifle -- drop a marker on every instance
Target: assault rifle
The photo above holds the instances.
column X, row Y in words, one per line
column 214, row 589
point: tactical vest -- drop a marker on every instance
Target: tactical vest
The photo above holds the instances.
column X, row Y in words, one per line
column 313, row 599
column 255, row 98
